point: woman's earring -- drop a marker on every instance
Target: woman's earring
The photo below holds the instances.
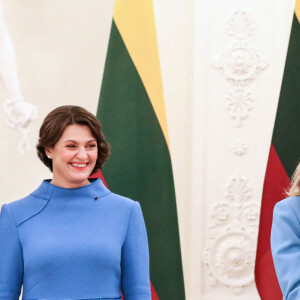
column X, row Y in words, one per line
column 49, row 156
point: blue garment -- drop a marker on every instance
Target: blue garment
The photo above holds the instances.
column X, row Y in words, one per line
column 81, row 243
column 285, row 245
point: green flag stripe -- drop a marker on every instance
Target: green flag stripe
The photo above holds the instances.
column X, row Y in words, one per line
column 287, row 125
column 140, row 166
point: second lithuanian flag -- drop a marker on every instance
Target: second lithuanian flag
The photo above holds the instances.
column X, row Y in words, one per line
column 132, row 113
column 283, row 158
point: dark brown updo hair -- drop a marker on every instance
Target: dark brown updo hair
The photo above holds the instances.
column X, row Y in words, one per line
column 56, row 122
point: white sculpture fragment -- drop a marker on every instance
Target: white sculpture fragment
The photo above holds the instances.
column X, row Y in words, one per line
column 18, row 113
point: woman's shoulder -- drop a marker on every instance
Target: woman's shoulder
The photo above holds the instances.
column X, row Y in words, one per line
column 120, row 206
column 288, row 205
column 24, row 208
column 100, row 191
column 120, row 201
column 293, row 201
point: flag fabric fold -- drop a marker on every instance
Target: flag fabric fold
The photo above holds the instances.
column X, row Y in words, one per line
column 132, row 114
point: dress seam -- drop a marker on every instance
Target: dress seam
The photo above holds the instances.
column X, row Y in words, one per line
column 17, row 231
column 294, row 213
column 47, row 201
column 44, row 198
column 13, row 219
column 128, row 222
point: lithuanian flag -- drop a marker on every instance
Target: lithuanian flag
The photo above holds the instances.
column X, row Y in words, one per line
column 132, row 113
column 283, row 158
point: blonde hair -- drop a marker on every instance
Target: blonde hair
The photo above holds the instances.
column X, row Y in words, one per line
column 295, row 183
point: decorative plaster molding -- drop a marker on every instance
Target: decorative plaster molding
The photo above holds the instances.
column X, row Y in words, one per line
column 240, row 63
column 239, row 103
column 240, row 25
column 232, row 223
column 238, row 190
column 231, row 258
column 230, row 251
column 221, row 213
column 239, row 148
column 249, row 214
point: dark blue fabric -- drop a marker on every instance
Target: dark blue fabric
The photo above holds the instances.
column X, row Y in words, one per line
column 82, row 243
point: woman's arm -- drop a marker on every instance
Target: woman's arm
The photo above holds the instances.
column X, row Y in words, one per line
column 285, row 245
column 11, row 258
column 135, row 259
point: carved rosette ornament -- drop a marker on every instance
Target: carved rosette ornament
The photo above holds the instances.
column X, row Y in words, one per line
column 238, row 190
column 231, row 258
column 239, row 148
column 240, row 25
column 240, row 63
column 239, row 103
column 230, row 251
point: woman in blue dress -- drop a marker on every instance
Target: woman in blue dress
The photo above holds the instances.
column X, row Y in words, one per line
column 72, row 238
column 285, row 240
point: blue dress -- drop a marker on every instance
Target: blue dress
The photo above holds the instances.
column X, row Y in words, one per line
column 285, row 246
column 82, row 243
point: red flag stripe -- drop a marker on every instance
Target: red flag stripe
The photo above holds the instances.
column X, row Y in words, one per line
column 153, row 293
column 99, row 175
column 276, row 181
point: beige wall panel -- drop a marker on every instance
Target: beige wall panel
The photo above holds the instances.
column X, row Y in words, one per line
column 175, row 29
column 61, row 48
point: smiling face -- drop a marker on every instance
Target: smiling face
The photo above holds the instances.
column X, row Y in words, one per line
column 73, row 157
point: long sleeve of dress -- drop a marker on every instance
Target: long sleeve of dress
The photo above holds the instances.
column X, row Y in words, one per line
column 135, row 259
column 285, row 245
column 11, row 259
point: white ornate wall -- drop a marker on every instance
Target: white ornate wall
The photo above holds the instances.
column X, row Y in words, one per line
column 222, row 64
column 239, row 55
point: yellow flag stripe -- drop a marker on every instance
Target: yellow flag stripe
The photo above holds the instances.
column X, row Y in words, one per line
column 297, row 10
column 135, row 22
